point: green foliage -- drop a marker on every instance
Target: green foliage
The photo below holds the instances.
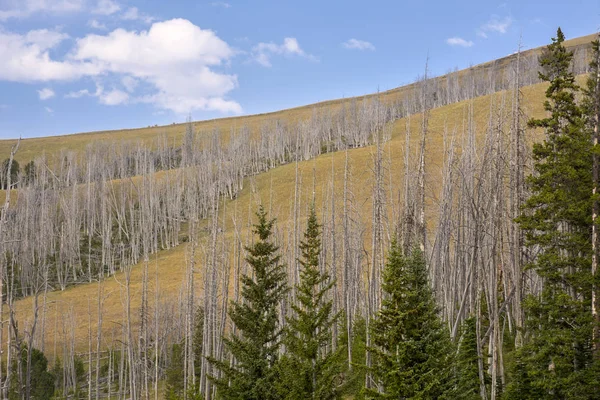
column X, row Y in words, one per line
column 354, row 376
column 29, row 172
column 555, row 359
column 411, row 347
column 255, row 345
column 14, row 172
column 198, row 340
column 467, row 368
column 310, row 369
column 174, row 374
column 42, row 381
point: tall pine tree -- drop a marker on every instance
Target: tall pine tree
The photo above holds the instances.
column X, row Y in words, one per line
column 467, row 362
column 310, row 367
column 591, row 107
column 256, row 344
column 411, row 347
column 557, row 222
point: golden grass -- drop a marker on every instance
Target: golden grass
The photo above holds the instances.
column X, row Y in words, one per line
column 275, row 189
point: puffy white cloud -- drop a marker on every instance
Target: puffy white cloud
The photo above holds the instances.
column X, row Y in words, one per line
column 355, row 44
column 49, row 110
column 175, row 64
column 26, row 58
column 457, row 41
column 262, row 52
column 24, row 8
column 106, row 7
column 175, row 58
column 45, row 93
column 496, row 24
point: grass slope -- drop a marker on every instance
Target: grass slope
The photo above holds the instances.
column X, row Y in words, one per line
column 275, row 189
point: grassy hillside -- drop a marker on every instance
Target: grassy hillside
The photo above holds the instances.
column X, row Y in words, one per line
column 276, row 190
column 30, row 148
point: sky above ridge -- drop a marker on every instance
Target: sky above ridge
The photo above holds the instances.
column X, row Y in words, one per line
column 70, row 66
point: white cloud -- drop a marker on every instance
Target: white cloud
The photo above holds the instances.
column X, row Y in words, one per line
column 106, row 7
column 46, row 93
column 78, row 94
column 24, row 8
column 355, row 44
column 49, row 110
column 129, row 83
column 133, row 14
column 95, row 24
column 27, row 59
column 497, row 24
column 482, row 34
column 175, row 63
column 183, row 76
column 456, row 41
column 220, row 4
column 261, row 53
column 113, row 97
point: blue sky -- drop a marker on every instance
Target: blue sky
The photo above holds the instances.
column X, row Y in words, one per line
column 71, row 66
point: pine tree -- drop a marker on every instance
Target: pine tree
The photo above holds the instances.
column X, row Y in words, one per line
column 42, row 381
column 256, row 344
column 467, row 360
column 310, row 368
column 411, row 347
column 591, row 107
column 173, row 376
column 557, row 224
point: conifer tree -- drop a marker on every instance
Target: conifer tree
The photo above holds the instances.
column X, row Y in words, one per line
column 591, row 106
column 557, row 225
column 467, row 359
column 256, row 344
column 310, row 367
column 173, row 375
column 412, row 349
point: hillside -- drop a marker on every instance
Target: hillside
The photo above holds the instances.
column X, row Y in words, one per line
column 31, row 148
column 275, row 188
column 122, row 250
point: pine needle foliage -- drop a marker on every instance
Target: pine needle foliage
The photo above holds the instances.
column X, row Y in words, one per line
column 556, row 358
column 411, row 347
column 310, row 368
column 255, row 346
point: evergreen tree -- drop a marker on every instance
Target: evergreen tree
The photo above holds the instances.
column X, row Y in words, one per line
column 557, row 224
column 411, row 347
column 310, row 368
column 354, row 377
column 29, row 172
column 256, row 344
column 467, row 362
column 173, row 374
column 42, row 381
column 14, row 172
column 591, row 107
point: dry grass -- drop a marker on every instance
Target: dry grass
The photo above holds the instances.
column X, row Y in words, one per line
column 276, row 190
